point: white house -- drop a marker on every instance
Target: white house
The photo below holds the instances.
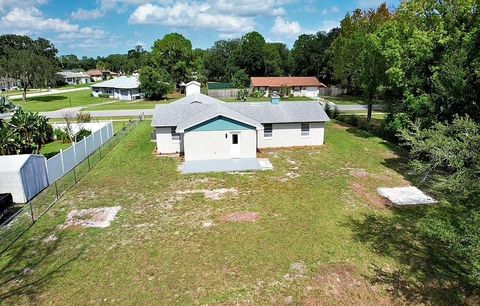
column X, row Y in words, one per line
column 192, row 87
column 204, row 128
column 122, row 88
column 73, row 78
column 308, row 86
column 9, row 84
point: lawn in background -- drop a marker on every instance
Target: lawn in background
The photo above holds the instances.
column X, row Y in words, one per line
column 346, row 100
column 144, row 104
column 59, row 101
column 323, row 235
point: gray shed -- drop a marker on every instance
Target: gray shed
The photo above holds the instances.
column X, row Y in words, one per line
column 24, row 176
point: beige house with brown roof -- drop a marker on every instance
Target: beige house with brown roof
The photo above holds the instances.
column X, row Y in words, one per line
column 308, row 86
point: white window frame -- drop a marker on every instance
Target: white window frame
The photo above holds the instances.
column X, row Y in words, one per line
column 305, row 132
column 265, row 131
column 175, row 136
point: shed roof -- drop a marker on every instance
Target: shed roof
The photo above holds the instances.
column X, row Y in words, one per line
column 124, row 82
column 13, row 163
column 286, row 81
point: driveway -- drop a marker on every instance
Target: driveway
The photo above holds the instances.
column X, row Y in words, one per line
column 46, row 93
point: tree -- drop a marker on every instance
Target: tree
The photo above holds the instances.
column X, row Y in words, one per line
column 250, row 54
column 33, row 62
column 173, row 53
column 219, row 62
column 240, row 79
column 155, row 84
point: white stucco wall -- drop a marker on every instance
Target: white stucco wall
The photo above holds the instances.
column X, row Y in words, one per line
column 311, row 92
column 120, row 94
column 201, row 145
column 192, row 88
column 290, row 135
column 165, row 144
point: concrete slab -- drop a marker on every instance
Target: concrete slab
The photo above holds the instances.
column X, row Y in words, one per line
column 406, row 196
column 221, row 165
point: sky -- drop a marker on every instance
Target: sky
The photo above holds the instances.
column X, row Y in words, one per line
column 102, row 27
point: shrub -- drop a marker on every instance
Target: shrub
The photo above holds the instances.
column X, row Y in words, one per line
column 257, row 94
column 82, row 134
column 103, row 95
column 62, row 135
column 84, row 117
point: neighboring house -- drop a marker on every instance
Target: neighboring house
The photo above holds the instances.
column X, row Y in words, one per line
column 308, row 86
column 101, row 75
column 72, row 78
column 9, row 84
column 122, row 88
column 204, row 128
column 192, row 87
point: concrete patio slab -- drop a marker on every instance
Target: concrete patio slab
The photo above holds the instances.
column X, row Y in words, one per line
column 406, row 196
column 221, row 165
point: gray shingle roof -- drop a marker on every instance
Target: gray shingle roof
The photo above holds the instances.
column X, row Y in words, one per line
column 123, row 82
column 197, row 108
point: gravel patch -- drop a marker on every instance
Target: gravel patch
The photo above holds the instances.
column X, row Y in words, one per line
column 214, row 194
column 100, row 217
column 241, row 217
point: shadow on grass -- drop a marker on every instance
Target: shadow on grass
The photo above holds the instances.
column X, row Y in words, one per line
column 50, row 98
column 22, row 272
column 426, row 273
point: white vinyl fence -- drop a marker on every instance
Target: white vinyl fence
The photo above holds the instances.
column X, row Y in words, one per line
column 66, row 160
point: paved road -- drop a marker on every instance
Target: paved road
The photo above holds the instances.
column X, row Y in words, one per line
column 51, row 92
column 356, row 107
column 105, row 113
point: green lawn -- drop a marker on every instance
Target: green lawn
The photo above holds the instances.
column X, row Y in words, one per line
column 54, row 146
column 134, row 104
column 346, row 100
column 267, row 99
column 60, row 101
column 318, row 207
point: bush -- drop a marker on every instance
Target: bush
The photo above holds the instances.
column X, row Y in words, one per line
column 103, row 95
column 82, row 134
column 257, row 94
column 84, row 117
column 333, row 113
column 62, row 135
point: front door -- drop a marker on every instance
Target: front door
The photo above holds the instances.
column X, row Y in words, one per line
column 235, row 145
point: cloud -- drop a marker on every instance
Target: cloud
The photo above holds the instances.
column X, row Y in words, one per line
column 82, row 14
column 286, row 28
column 330, row 10
column 31, row 20
column 249, row 7
column 87, row 32
column 6, row 4
column 190, row 15
column 327, row 25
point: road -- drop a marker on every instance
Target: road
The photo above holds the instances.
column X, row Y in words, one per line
column 46, row 93
column 356, row 107
column 105, row 113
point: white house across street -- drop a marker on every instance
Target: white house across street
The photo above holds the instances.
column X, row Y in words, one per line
column 122, row 88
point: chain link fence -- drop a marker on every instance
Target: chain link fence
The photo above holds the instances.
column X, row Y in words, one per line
column 22, row 217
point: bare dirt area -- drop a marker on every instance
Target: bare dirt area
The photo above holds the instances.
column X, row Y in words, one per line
column 241, row 217
column 100, row 217
column 214, row 194
column 368, row 196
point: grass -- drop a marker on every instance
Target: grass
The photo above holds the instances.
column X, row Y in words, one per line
column 267, row 99
column 346, row 100
column 60, row 101
column 355, row 249
column 134, row 104
column 54, row 146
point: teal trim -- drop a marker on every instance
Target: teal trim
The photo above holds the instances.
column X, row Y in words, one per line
column 220, row 124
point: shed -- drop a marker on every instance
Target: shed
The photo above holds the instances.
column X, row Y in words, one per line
column 24, row 176
column 192, row 87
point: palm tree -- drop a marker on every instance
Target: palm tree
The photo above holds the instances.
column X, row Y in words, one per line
column 31, row 129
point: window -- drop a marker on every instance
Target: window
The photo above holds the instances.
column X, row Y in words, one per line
column 175, row 136
column 305, row 129
column 296, row 89
column 267, row 130
column 234, row 138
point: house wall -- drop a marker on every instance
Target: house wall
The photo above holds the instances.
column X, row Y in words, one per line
column 165, row 144
column 191, row 89
column 116, row 93
column 289, row 135
column 203, row 145
column 296, row 91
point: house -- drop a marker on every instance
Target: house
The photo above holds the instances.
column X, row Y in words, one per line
column 9, row 84
column 308, row 86
column 101, row 75
column 72, row 78
column 122, row 88
column 192, row 87
column 203, row 128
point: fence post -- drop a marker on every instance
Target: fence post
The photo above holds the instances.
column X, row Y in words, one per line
column 63, row 163
column 85, row 145
column 74, row 152
column 101, row 137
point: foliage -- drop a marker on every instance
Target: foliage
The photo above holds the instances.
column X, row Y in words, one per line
column 84, row 117
column 242, row 94
column 5, row 107
column 82, row 133
column 156, row 85
column 103, row 95
column 25, row 133
column 447, row 158
column 284, row 91
column 31, row 61
column 240, row 79
column 62, row 135
column 173, row 53
column 332, row 113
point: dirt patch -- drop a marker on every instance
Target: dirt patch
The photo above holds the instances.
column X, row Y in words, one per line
column 297, row 270
column 214, row 194
column 94, row 217
column 370, row 197
column 356, row 172
column 341, row 284
column 241, row 217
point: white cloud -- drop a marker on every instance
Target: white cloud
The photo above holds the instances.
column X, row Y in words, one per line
column 87, row 32
column 31, row 20
column 82, row 14
column 330, row 10
column 190, row 15
column 6, row 4
column 286, row 28
column 249, row 7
